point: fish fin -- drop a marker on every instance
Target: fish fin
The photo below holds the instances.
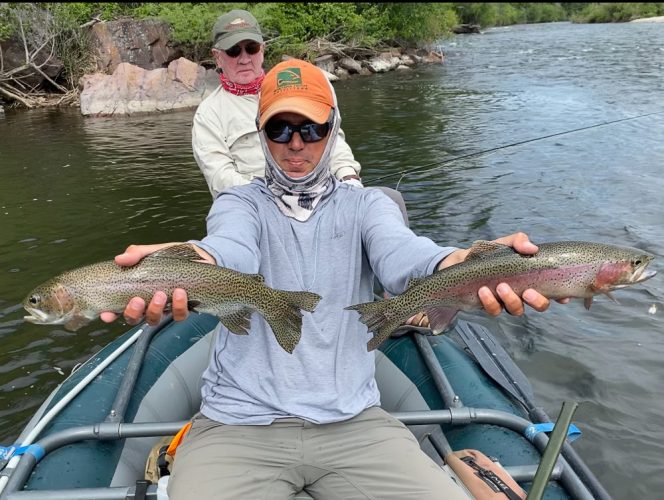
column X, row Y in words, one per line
column 414, row 282
column 193, row 304
column 587, row 302
column 286, row 321
column 237, row 322
column 382, row 335
column 481, row 248
column 303, row 300
column 440, row 318
column 77, row 322
column 182, row 251
column 380, row 319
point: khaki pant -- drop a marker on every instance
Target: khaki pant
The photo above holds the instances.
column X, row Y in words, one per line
column 372, row 456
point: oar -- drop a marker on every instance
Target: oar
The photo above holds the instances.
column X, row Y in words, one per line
column 495, row 361
column 552, row 450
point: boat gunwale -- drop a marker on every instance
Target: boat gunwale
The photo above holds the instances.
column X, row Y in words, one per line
column 108, row 431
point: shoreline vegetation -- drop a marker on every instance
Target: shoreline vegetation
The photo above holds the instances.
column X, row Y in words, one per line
column 46, row 48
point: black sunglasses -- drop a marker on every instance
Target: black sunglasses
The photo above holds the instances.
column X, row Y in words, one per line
column 251, row 48
column 282, row 132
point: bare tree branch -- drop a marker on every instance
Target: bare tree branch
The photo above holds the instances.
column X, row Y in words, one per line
column 39, row 49
column 25, row 45
column 10, row 74
column 6, row 92
column 92, row 22
column 59, row 87
column 39, row 35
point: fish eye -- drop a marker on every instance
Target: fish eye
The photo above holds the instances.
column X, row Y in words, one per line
column 34, row 299
column 637, row 262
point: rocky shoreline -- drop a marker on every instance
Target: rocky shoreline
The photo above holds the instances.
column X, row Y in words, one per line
column 658, row 19
column 131, row 89
column 139, row 70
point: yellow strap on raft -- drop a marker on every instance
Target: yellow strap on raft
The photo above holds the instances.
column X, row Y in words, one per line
column 177, row 439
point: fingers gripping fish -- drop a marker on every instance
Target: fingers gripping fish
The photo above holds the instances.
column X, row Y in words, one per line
column 558, row 270
column 76, row 297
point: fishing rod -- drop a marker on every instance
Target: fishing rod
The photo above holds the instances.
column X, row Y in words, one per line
column 435, row 165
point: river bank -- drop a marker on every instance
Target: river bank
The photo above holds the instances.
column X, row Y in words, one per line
column 136, row 66
column 658, row 19
column 183, row 84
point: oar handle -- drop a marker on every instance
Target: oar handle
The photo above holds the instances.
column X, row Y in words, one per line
column 552, row 450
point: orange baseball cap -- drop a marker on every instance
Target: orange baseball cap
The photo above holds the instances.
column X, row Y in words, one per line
column 295, row 86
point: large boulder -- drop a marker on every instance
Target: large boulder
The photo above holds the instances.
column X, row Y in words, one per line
column 13, row 56
column 350, row 65
column 383, row 62
column 145, row 43
column 131, row 89
column 326, row 63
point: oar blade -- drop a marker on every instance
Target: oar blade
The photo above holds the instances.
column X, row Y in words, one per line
column 495, row 361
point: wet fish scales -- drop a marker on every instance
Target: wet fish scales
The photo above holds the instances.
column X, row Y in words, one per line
column 558, row 270
column 76, row 297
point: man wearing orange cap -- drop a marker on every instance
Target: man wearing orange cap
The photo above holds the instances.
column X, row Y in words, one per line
column 273, row 423
column 224, row 138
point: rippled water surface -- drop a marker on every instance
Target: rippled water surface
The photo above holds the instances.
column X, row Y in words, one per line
column 75, row 190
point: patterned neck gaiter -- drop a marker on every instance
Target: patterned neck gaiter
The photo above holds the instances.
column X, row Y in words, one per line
column 239, row 88
column 298, row 198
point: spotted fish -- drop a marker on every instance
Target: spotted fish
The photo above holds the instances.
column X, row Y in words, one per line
column 76, row 297
column 558, row 270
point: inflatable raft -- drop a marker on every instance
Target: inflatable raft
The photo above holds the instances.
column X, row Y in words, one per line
column 92, row 436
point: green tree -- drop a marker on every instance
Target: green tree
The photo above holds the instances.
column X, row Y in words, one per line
column 413, row 23
column 616, row 12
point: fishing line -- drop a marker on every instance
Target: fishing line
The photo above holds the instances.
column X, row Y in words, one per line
column 436, row 165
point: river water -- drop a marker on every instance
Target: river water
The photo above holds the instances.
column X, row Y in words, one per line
column 76, row 190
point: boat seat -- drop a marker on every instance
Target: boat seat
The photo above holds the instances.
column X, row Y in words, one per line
column 175, row 396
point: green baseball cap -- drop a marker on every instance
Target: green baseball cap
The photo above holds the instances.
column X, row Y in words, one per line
column 233, row 27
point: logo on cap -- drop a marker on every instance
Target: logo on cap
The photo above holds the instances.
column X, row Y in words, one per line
column 289, row 77
column 237, row 24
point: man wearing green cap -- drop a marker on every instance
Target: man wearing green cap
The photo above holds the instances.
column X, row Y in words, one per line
column 224, row 135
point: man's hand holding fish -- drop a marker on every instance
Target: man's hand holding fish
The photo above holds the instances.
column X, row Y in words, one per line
column 510, row 300
column 504, row 296
column 136, row 308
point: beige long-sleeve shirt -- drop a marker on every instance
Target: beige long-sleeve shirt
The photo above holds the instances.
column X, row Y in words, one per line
column 226, row 146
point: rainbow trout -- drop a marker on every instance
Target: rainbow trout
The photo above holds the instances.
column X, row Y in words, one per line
column 76, row 297
column 558, row 270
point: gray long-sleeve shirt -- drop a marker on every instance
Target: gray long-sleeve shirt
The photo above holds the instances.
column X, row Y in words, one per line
column 330, row 375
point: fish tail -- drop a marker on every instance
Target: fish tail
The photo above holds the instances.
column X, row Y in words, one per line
column 303, row 300
column 380, row 319
column 286, row 322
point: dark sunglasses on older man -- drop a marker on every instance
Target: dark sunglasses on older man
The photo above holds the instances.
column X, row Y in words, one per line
column 282, row 132
column 250, row 48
